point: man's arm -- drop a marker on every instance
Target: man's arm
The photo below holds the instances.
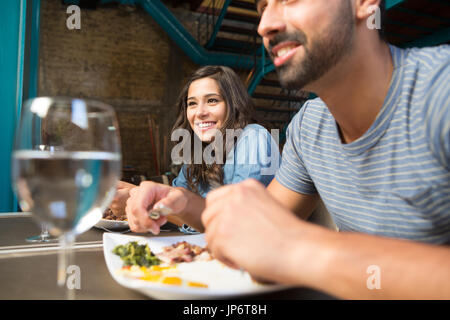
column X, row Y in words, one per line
column 301, row 204
column 361, row 266
column 239, row 218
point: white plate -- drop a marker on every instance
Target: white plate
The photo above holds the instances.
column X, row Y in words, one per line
column 224, row 282
column 112, row 225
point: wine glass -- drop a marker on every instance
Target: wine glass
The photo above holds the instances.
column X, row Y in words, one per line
column 65, row 165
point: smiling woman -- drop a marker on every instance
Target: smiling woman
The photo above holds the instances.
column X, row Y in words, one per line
column 215, row 101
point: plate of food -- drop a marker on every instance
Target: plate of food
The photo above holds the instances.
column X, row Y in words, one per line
column 175, row 267
column 112, row 223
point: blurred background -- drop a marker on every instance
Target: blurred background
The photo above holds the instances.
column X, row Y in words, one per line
column 137, row 54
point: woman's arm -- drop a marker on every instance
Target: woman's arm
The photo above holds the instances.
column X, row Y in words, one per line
column 256, row 156
column 179, row 181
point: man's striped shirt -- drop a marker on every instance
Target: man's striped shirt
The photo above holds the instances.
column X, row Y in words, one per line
column 394, row 180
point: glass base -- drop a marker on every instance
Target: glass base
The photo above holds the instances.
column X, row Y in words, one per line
column 42, row 238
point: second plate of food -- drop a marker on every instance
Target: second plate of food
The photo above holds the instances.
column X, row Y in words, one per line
column 111, row 223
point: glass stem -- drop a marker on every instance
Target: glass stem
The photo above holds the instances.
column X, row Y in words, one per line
column 65, row 259
column 44, row 234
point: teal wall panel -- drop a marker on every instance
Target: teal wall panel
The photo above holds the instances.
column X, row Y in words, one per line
column 33, row 27
column 12, row 38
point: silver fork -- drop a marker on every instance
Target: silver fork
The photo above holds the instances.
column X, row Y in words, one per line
column 162, row 210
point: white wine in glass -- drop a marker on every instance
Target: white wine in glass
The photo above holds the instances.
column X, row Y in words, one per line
column 70, row 182
column 44, row 236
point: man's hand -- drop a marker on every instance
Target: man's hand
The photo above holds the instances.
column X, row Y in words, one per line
column 247, row 228
column 148, row 196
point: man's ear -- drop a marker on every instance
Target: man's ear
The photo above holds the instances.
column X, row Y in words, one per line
column 366, row 8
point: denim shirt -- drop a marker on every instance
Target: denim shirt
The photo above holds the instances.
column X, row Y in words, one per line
column 255, row 155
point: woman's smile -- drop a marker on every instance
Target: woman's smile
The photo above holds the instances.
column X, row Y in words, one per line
column 206, row 108
column 206, row 125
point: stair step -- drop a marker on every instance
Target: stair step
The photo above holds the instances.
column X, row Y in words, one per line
column 241, row 17
column 234, row 43
column 269, row 83
column 277, row 97
column 193, row 4
column 243, row 5
column 234, row 46
column 238, row 30
column 240, row 51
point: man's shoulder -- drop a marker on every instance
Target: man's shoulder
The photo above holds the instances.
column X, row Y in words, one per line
column 427, row 59
column 426, row 79
column 436, row 53
column 316, row 103
column 313, row 108
column 426, row 74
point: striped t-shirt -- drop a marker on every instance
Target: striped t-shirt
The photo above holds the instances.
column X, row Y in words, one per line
column 393, row 181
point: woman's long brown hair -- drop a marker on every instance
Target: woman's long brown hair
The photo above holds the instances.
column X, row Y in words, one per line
column 240, row 113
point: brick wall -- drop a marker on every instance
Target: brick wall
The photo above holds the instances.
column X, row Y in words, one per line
column 122, row 57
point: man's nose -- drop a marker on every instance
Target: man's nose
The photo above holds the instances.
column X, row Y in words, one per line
column 271, row 22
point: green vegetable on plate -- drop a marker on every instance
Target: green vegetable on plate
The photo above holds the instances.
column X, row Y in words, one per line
column 134, row 254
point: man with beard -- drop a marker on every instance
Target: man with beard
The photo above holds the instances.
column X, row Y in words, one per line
column 375, row 146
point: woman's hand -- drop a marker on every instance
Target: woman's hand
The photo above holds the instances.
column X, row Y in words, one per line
column 120, row 199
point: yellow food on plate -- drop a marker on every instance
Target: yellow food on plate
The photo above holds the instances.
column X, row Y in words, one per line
column 160, row 268
column 172, row 280
column 197, row 284
column 167, row 275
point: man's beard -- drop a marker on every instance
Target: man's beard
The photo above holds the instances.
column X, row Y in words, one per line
column 320, row 54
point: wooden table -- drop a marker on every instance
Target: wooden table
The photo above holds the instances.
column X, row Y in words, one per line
column 28, row 271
